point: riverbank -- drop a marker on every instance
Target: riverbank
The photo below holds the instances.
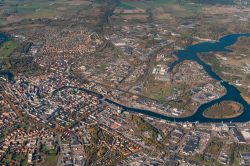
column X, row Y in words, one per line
column 245, row 97
column 233, row 94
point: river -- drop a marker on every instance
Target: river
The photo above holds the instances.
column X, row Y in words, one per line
column 191, row 53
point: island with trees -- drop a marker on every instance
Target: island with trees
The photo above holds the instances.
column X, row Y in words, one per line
column 224, row 110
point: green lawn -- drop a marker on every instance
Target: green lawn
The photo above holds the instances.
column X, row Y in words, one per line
column 7, row 48
column 20, row 157
column 29, row 9
column 157, row 90
column 51, row 158
column 148, row 4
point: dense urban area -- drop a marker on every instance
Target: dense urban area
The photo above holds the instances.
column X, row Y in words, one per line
column 103, row 82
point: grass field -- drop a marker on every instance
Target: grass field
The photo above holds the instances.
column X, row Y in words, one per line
column 157, row 90
column 51, row 158
column 164, row 9
column 14, row 11
column 7, row 49
column 126, row 6
column 20, row 158
column 148, row 4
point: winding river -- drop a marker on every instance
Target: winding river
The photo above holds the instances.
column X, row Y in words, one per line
column 191, row 53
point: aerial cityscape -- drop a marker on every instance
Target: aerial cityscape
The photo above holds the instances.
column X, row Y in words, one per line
column 124, row 82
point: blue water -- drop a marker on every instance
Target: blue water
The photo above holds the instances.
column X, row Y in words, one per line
column 191, row 53
column 3, row 38
column 8, row 74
